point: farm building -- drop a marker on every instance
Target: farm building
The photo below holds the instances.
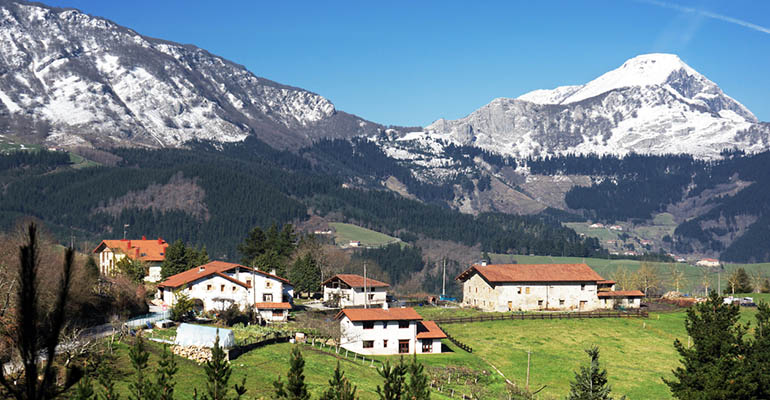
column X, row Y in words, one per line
column 353, row 290
column 708, row 262
column 383, row 331
column 220, row 284
column 150, row 252
column 526, row 287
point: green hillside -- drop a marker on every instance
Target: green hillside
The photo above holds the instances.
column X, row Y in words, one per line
column 345, row 233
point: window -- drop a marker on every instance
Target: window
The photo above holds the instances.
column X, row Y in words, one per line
column 427, row 346
column 268, row 284
column 222, row 288
column 403, row 346
column 248, row 282
column 209, row 287
column 267, row 297
column 368, row 325
column 384, row 324
column 527, row 290
column 540, row 303
column 403, row 324
column 477, row 290
column 371, row 296
column 235, row 288
column 510, row 306
column 368, row 344
column 385, row 343
column 518, row 290
column 278, row 313
column 561, row 302
column 583, row 287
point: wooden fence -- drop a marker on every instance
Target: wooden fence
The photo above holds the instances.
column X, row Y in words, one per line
column 545, row 315
column 456, row 342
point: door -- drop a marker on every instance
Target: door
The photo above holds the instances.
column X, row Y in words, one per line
column 583, row 305
column 403, row 346
column 510, row 306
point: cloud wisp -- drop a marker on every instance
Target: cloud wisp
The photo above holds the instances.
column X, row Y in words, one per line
column 708, row 14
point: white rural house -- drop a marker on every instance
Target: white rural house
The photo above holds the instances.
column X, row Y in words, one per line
column 150, row 252
column 708, row 262
column 220, row 284
column 383, row 331
column 526, row 287
column 353, row 290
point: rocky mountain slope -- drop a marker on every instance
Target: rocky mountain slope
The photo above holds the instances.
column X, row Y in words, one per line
column 71, row 79
column 653, row 104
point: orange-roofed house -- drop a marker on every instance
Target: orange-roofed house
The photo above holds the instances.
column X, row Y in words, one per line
column 387, row 331
column 527, row 287
column 150, row 252
column 220, row 284
column 353, row 290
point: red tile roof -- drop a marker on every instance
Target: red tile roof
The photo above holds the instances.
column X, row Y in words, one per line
column 606, row 282
column 214, row 267
column 380, row 314
column 273, row 306
column 144, row 250
column 505, row 273
column 355, row 281
column 621, row 293
column 429, row 330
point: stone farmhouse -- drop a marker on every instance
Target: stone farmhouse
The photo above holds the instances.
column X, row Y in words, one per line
column 527, row 287
column 150, row 252
column 221, row 284
column 352, row 290
column 383, row 331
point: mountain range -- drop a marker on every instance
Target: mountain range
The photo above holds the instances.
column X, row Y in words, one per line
column 82, row 83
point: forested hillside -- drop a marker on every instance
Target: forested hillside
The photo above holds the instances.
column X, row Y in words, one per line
column 212, row 195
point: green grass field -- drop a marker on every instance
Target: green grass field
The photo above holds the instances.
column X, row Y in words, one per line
column 344, row 233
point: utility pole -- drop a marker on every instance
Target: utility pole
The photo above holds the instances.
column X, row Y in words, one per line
column 529, row 354
column 125, row 228
column 366, row 298
column 443, row 281
column 719, row 280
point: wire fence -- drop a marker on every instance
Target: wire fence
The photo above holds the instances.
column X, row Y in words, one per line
column 562, row 315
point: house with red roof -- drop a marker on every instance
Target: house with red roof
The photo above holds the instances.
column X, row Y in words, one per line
column 352, row 290
column 220, row 284
column 527, row 287
column 150, row 252
column 388, row 331
column 708, row 262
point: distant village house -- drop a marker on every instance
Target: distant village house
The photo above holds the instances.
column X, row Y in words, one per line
column 150, row 252
column 527, row 287
column 708, row 262
column 383, row 331
column 352, row 290
column 220, row 284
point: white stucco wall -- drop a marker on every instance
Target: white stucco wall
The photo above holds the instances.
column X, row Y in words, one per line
column 528, row 296
column 353, row 336
column 356, row 296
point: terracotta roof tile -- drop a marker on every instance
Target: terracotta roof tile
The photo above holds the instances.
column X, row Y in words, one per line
column 355, row 281
column 214, row 267
column 273, row 306
column 621, row 293
column 144, row 250
column 429, row 330
column 505, row 273
column 380, row 314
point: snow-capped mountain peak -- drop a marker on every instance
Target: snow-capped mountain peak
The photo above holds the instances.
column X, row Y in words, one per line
column 653, row 103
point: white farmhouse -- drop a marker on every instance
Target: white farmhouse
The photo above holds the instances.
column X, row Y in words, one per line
column 353, row 290
column 382, row 331
column 526, row 287
column 708, row 262
column 150, row 252
column 220, row 284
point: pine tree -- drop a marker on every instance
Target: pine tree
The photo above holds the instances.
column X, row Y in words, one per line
column 712, row 367
column 167, row 368
column 92, row 270
column 394, row 377
column 739, row 282
column 339, row 387
column 591, row 382
column 218, row 372
column 418, row 387
column 758, row 354
column 140, row 388
column 84, row 390
column 295, row 387
column 106, row 381
column 305, row 274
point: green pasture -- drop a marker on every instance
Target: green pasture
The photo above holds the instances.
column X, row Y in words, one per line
column 345, row 233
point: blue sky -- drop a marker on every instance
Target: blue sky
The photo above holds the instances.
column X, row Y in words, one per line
column 410, row 63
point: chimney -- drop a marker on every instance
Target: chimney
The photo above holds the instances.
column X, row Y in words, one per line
column 144, row 237
column 129, row 244
column 483, row 263
column 160, row 241
column 201, row 268
column 385, row 305
column 272, row 271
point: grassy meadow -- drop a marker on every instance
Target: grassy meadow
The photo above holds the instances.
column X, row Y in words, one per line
column 344, row 233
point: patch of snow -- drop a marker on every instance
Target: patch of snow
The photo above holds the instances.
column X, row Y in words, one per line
column 9, row 104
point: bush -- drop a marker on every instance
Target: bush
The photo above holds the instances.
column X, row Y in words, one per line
column 183, row 307
column 233, row 315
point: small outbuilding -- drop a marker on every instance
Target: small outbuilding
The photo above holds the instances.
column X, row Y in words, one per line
column 203, row 336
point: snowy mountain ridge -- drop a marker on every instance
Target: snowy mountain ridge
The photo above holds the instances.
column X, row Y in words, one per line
column 70, row 79
column 653, row 103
